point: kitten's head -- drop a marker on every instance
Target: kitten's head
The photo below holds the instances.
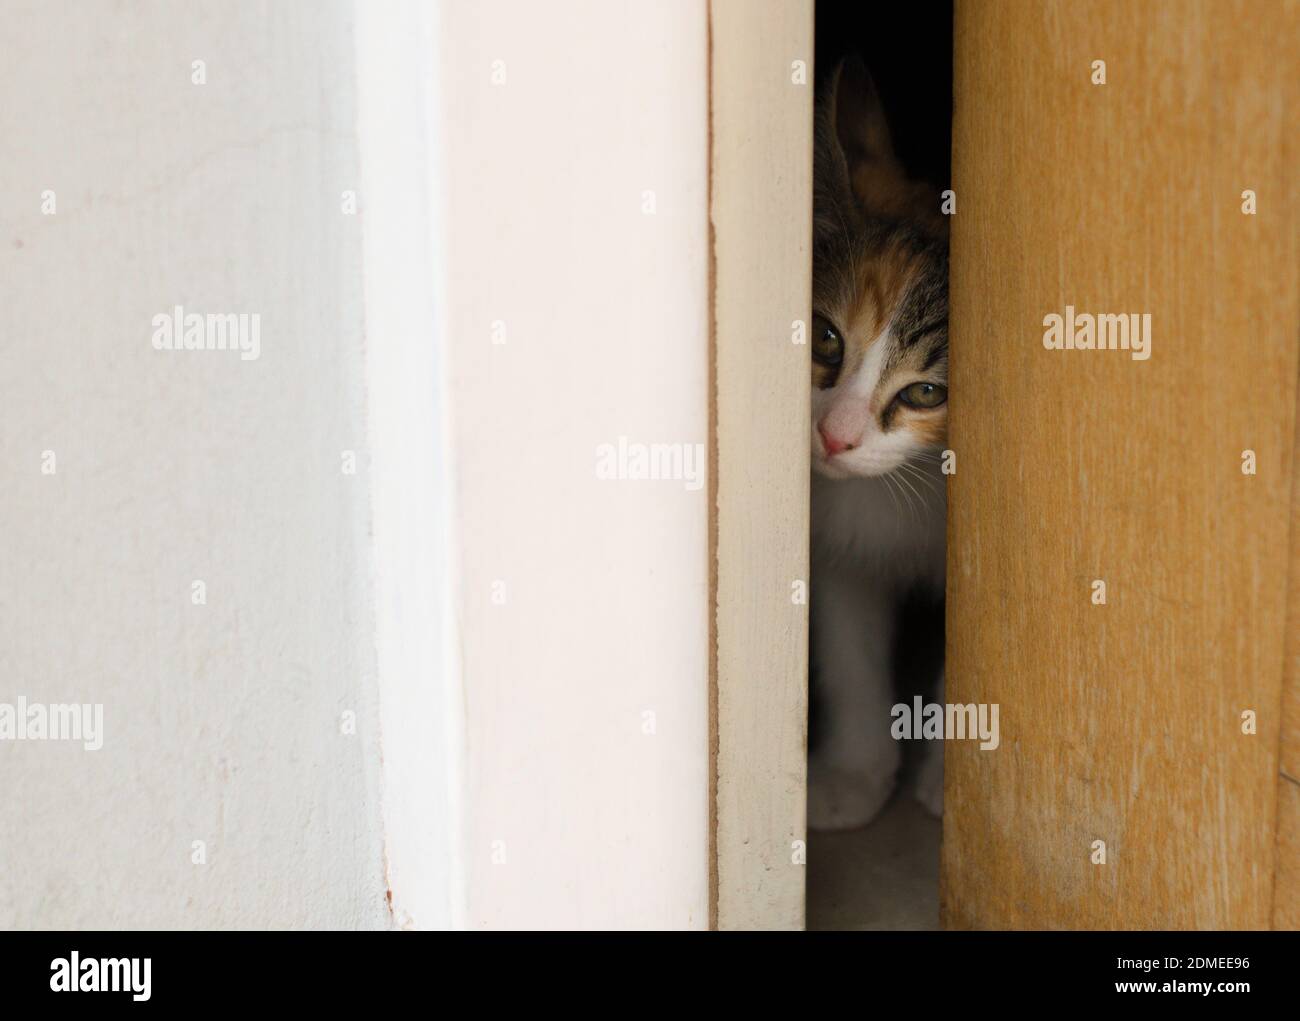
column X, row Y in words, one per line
column 880, row 293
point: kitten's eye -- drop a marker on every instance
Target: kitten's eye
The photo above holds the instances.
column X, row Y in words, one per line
column 923, row 395
column 827, row 344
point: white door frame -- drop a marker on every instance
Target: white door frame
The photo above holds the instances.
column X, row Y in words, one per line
column 761, row 64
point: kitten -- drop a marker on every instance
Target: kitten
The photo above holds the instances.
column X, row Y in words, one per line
column 879, row 422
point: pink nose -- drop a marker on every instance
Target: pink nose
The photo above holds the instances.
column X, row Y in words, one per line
column 833, row 445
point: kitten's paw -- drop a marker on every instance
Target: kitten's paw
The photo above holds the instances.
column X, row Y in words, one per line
column 929, row 781
column 841, row 800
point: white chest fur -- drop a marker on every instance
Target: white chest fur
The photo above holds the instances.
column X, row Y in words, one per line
column 891, row 529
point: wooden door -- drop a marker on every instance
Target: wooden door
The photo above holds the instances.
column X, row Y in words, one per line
column 1148, row 725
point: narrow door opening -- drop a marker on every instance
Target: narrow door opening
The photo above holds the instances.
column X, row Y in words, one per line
column 879, row 376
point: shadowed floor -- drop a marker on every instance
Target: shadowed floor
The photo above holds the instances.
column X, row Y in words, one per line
column 884, row 876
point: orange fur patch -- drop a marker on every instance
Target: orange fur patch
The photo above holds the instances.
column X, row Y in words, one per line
column 882, row 282
column 929, row 427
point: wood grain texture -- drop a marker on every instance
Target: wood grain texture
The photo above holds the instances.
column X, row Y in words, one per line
column 761, row 211
column 1120, row 722
column 1286, row 889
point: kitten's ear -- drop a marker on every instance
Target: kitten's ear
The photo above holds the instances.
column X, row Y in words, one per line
column 856, row 160
column 859, row 117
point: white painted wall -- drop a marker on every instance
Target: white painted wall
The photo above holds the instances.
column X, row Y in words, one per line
column 412, row 474
column 222, row 722
column 500, row 774
column 605, row 311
